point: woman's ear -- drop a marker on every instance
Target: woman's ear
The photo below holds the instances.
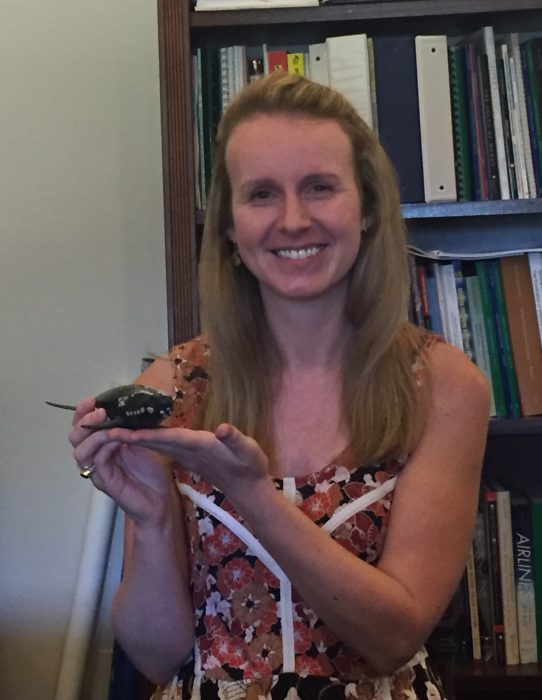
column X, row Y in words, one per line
column 365, row 223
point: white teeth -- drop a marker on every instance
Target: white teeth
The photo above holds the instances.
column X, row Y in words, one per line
column 298, row 254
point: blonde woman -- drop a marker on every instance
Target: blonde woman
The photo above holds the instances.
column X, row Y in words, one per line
column 299, row 529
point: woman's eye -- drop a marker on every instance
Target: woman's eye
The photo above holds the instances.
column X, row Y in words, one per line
column 260, row 195
column 321, row 188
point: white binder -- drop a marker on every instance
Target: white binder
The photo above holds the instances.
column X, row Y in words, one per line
column 348, row 64
column 435, row 118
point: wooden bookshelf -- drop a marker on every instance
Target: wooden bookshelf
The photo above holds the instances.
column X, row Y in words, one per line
column 514, row 447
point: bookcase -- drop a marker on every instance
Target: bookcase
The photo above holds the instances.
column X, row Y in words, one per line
column 514, row 450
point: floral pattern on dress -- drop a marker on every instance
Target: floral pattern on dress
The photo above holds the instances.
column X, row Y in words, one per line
column 237, row 598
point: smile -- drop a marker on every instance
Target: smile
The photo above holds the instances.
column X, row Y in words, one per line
column 298, row 253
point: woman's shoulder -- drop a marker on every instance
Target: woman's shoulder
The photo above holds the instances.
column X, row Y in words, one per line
column 454, row 377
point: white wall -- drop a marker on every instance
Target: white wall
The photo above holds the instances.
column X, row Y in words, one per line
column 82, row 285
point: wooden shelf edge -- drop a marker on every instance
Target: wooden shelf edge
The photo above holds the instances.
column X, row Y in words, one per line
column 360, row 10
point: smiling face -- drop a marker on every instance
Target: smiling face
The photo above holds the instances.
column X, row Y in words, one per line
column 295, row 203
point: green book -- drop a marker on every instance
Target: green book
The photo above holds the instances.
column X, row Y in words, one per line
column 510, row 385
column 460, row 122
column 491, row 337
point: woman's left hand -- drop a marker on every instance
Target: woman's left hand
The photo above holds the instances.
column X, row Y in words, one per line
column 227, row 458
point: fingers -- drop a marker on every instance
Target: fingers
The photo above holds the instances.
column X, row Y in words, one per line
column 241, row 445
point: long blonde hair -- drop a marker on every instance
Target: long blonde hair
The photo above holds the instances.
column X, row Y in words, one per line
column 381, row 403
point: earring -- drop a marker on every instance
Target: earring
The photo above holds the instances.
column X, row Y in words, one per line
column 235, row 257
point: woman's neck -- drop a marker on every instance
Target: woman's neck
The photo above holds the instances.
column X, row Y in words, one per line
column 309, row 333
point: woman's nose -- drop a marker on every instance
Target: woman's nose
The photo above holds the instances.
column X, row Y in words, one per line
column 294, row 215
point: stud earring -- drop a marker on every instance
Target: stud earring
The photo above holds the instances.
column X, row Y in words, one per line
column 235, row 257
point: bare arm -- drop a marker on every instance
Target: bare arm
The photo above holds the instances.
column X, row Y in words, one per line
column 152, row 611
column 384, row 612
column 387, row 612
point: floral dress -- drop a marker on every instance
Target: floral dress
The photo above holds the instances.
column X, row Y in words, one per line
column 255, row 636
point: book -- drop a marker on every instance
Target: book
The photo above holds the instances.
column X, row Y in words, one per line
column 477, row 140
column 449, row 307
column 484, row 40
column 432, row 299
column 483, row 587
column 522, row 537
column 535, row 266
column 464, row 309
column 348, row 69
column 516, row 69
column 460, row 123
column 474, row 615
column 523, row 330
column 536, row 523
column 479, row 338
column 398, row 113
column 277, row 60
column 435, row 111
column 496, row 296
column 534, row 113
column 510, row 121
column 492, row 342
column 296, row 63
column 492, row 543
column 507, row 577
column 318, row 68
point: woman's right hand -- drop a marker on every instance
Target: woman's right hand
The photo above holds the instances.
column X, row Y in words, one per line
column 136, row 478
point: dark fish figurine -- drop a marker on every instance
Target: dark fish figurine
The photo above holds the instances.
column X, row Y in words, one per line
column 132, row 406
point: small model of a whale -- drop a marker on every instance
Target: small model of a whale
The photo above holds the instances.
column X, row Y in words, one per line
column 132, row 406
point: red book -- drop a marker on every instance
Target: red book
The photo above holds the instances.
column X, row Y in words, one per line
column 277, row 60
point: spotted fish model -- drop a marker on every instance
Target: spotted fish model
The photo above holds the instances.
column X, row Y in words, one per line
column 132, row 406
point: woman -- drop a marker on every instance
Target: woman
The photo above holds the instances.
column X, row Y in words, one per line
column 327, row 453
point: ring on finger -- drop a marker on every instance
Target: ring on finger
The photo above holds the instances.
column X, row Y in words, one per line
column 86, row 470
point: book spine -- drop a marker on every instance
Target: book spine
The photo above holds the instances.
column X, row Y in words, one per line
column 511, row 142
column 535, row 266
column 492, row 535
column 470, row 574
column 460, row 122
column 503, row 339
column 517, row 69
column 491, row 336
column 522, row 536
column 523, row 331
column 508, row 584
column 479, row 338
column 464, row 310
column 489, row 41
column 533, row 117
column 490, row 138
column 435, row 118
column 483, row 587
column 450, row 309
column 536, row 520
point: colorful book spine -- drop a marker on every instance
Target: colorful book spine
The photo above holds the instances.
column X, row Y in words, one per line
column 535, row 266
column 483, row 588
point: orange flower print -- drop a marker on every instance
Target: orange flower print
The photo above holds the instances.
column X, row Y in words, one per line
column 258, row 668
column 267, row 647
column 221, row 543
column 236, row 574
column 302, row 637
column 307, row 666
column 251, row 603
column 365, row 533
column 317, row 505
column 227, row 650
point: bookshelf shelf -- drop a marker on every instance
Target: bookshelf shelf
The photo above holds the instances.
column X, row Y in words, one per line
column 516, row 426
column 478, row 677
column 341, row 12
column 447, row 210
